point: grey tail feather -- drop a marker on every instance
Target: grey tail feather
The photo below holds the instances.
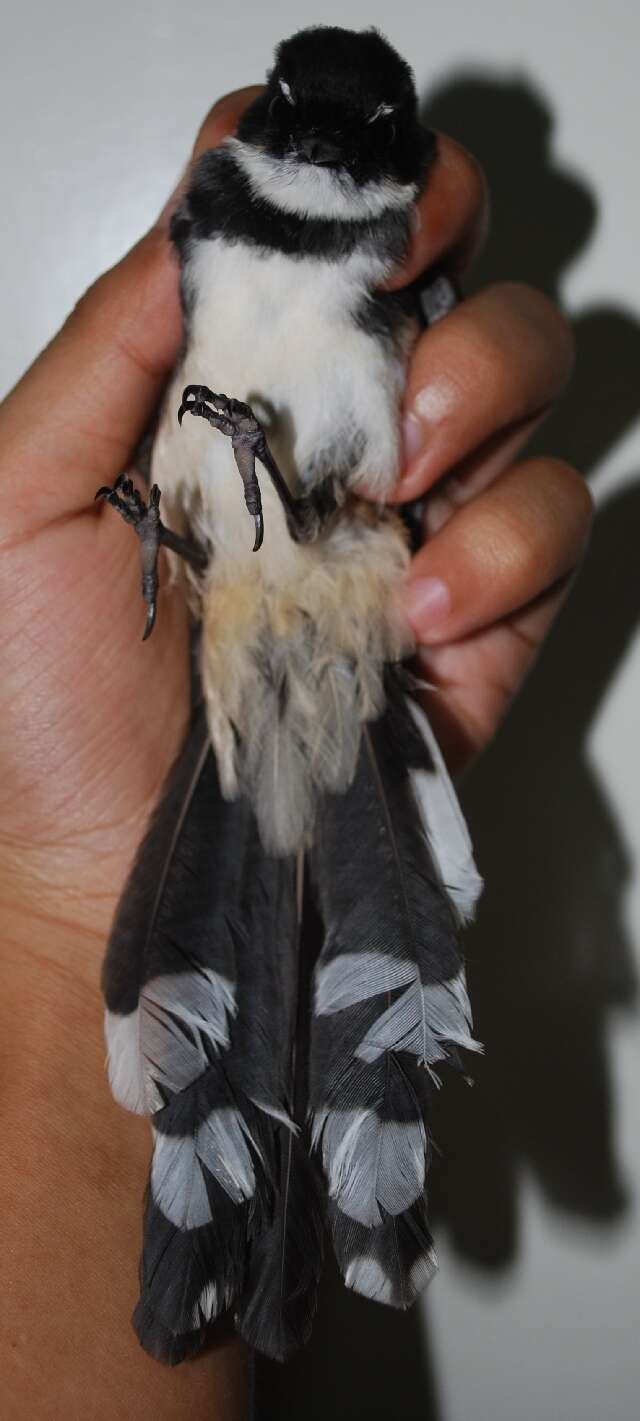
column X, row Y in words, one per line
column 219, row 1181
column 389, row 999
column 441, row 816
column 141, row 900
column 390, row 1264
column 212, row 942
column 187, row 1278
column 275, row 1311
column 172, row 932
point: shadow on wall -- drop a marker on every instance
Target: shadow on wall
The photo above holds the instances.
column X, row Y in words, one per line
column 549, row 956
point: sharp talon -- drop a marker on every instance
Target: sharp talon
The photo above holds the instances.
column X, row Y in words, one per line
column 150, row 622
column 102, row 493
column 193, row 407
column 259, row 522
column 154, row 497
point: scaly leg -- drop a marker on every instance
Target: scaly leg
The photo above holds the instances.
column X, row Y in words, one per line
column 305, row 516
column 147, row 523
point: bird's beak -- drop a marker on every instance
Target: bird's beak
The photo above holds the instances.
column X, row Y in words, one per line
column 322, row 152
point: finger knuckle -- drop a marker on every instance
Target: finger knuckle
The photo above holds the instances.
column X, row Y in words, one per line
column 546, row 519
column 545, row 320
column 470, row 176
column 525, row 544
column 467, row 180
column 573, row 497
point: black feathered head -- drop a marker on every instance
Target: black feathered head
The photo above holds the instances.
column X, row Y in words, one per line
column 341, row 100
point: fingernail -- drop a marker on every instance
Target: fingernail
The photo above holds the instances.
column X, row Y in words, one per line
column 434, row 402
column 412, row 438
column 427, row 603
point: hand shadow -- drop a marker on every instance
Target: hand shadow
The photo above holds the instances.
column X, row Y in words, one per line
column 549, row 956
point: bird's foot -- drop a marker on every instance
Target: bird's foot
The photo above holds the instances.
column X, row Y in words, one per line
column 145, row 519
column 229, row 416
column 305, row 516
column 238, row 422
column 124, row 496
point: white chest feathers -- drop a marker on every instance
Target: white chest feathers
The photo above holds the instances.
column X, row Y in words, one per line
column 283, row 334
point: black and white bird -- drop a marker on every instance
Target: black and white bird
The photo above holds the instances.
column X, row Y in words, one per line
column 283, row 1107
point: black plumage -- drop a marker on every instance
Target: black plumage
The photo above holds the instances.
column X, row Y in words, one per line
column 276, row 1308
column 220, row 203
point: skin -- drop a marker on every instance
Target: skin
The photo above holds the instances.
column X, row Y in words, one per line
column 90, row 721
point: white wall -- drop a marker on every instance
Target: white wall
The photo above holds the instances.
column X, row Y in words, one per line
column 535, row 1312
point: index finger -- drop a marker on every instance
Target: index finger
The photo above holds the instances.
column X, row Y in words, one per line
column 75, row 418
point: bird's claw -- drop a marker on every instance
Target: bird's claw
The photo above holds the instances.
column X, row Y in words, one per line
column 197, row 398
column 151, row 619
column 145, row 519
column 124, row 496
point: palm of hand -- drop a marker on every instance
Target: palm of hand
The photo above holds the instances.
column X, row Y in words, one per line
column 90, row 717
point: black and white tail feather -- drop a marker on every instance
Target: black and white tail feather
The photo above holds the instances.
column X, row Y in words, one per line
column 390, row 997
column 199, row 986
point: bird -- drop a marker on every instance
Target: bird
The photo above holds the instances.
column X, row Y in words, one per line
column 289, row 1101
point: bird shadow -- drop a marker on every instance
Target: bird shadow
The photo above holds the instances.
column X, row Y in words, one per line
column 549, row 957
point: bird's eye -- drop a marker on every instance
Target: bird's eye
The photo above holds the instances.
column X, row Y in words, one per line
column 282, row 100
column 385, row 129
column 382, row 111
column 286, row 90
column 382, row 125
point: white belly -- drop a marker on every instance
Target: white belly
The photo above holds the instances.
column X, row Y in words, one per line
column 278, row 333
column 294, row 633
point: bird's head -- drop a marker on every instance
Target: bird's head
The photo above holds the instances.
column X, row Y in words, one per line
column 337, row 121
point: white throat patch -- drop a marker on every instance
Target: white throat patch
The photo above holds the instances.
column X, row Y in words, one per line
column 310, row 191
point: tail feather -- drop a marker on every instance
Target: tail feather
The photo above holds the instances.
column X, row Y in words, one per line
column 389, row 996
column 214, row 1172
column 275, row 1312
column 169, row 971
column 443, row 822
column 188, row 1278
column 390, row 1264
column 373, row 1141
column 209, row 1029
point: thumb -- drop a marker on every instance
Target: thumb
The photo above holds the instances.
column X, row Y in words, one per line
column 75, row 418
